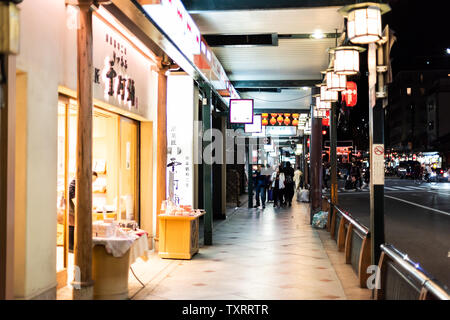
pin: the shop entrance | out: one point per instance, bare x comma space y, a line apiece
115, 175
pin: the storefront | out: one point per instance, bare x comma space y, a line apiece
123, 87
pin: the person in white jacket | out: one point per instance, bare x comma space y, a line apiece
277, 187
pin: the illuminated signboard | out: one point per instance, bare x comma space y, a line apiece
256, 126
281, 131
176, 22
118, 65
241, 111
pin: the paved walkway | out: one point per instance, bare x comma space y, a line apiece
270, 254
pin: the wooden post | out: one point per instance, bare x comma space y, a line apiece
83, 283
161, 148
316, 165
333, 158
364, 262
7, 176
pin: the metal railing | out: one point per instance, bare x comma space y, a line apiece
428, 283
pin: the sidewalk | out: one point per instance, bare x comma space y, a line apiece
256, 255
273, 254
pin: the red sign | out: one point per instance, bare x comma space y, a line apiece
350, 95
326, 120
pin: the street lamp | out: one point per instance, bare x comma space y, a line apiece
364, 21
322, 105
327, 95
346, 60
336, 82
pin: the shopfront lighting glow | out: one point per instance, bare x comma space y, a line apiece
336, 82
364, 21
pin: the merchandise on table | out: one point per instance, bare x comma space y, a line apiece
169, 208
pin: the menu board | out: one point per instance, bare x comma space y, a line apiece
241, 111
256, 126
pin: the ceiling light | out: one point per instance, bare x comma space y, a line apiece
318, 35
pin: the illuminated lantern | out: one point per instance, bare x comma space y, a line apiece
324, 132
280, 119
350, 95
364, 21
346, 60
327, 95
336, 82
307, 143
264, 120
287, 121
273, 121
295, 117
320, 105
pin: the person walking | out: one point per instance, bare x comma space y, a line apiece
260, 181
297, 178
277, 187
288, 184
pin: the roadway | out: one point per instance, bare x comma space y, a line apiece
417, 221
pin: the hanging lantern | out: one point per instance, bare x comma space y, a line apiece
287, 121
346, 60
336, 82
364, 21
280, 119
273, 121
350, 95
322, 105
264, 120
327, 95
295, 117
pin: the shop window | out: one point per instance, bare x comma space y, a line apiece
115, 162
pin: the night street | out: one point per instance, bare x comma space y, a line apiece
417, 221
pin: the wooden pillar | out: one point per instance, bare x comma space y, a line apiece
161, 146
7, 176
83, 284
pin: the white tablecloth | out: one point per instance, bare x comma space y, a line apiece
116, 246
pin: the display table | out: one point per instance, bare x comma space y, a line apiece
178, 236
111, 261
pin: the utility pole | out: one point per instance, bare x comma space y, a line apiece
378, 57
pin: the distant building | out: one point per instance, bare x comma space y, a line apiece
438, 119
408, 117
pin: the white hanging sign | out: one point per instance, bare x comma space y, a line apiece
377, 174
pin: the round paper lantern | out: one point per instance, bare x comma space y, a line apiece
295, 122
287, 121
273, 121
280, 119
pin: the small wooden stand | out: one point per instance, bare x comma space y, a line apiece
178, 237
